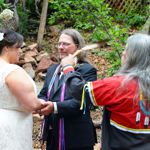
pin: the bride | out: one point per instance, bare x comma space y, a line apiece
17, 96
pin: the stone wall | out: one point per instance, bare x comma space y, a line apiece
35, 62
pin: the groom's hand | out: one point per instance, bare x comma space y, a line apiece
49, 108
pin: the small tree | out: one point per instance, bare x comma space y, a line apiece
42, 22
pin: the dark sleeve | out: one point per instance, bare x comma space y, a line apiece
69, 108
75, 80
89, 73
72, 106
75, 84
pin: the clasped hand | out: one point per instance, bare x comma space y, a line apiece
46, 109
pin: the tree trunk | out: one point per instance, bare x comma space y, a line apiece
42, 22
16, 14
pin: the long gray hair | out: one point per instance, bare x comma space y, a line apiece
79, 41
137, 64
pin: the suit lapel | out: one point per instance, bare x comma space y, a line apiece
55, 86
58, 83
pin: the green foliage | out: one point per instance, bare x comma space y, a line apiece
23, 22
96, 17
118, 39
3, 5
30, 7
30, 4
83, 14
28, 18
115, 66
92, 16
99, 35
134, 17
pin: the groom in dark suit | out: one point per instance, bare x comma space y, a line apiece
66, 127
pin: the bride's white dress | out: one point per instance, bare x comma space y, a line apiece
15, 122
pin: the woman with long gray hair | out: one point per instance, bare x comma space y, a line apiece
126, 96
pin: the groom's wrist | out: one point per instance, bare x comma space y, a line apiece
68, 68
55, 108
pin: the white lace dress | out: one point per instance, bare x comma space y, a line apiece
15, 123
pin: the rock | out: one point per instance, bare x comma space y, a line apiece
42, 54
29, 69
44, 63
31, 47
32, 53
29, 59
55, 30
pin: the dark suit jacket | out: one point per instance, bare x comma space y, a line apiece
79, 129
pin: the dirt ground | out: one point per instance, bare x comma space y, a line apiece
96, 117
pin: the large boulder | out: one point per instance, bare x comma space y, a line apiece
8, 20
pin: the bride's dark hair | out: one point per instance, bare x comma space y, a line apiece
10, 38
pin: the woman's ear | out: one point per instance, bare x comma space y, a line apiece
123, 57
77, 46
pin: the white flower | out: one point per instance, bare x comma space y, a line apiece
1, 36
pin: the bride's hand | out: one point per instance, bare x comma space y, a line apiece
48, 109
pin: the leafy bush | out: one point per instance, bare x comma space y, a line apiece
3, 5
83, 14
134, 17
28, 18
23, 20
92, 16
